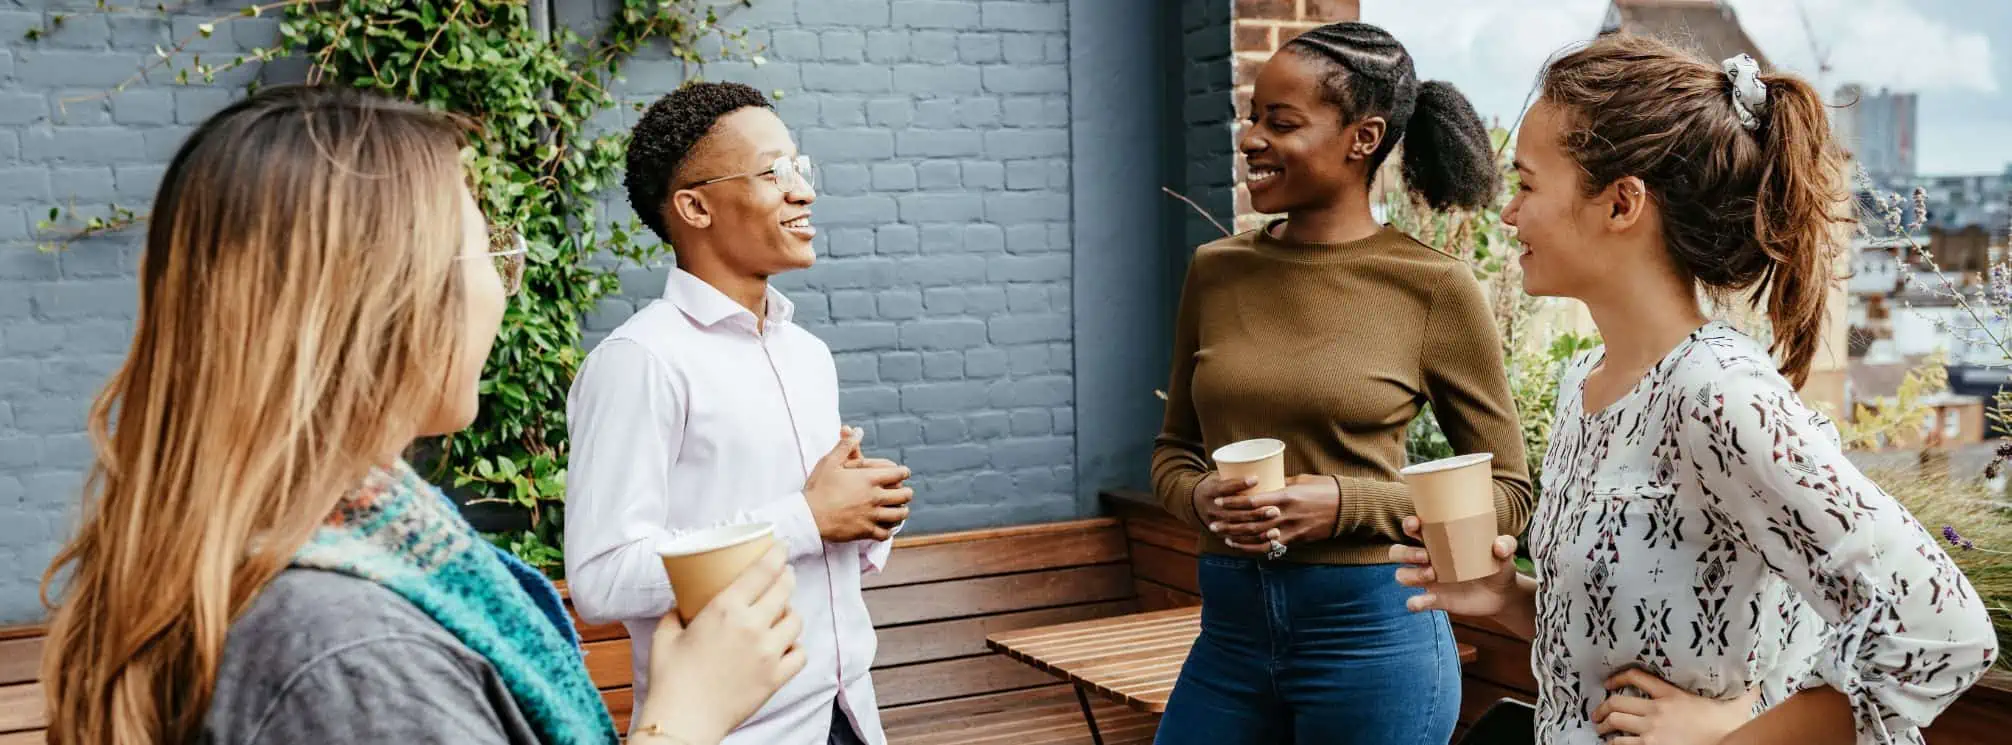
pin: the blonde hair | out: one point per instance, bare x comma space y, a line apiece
297, 292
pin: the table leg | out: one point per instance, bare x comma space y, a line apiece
1083, 698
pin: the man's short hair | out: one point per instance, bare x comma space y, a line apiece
665, 136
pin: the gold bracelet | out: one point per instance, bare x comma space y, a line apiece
656, 729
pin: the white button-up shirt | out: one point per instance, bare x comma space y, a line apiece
690, 416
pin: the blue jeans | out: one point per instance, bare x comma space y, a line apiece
1308, 653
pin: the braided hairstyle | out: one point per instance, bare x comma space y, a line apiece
1449, 160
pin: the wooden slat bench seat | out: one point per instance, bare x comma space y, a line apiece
22, 718
942, 595
932, 609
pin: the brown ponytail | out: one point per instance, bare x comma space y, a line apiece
1744, 211
1802, 185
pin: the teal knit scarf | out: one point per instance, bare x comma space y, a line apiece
400, 532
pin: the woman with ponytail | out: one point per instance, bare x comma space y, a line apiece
1710, 568
256, 563
1329, 332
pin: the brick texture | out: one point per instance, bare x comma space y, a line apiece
65, 319
1208, 114
941, 130
943, 285
1259, 27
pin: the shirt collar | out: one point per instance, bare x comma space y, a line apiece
707, 306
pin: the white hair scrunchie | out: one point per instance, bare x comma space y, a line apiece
1749, 93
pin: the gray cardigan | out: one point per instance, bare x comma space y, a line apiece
325, 657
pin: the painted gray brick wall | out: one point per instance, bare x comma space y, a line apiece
943, 284
944, 287
1208, 109
66, 318
1120, 88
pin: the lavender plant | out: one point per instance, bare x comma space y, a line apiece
1972, 517
1985, 308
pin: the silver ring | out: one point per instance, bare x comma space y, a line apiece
1277, 550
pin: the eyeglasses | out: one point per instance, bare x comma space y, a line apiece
787, 172
510, 253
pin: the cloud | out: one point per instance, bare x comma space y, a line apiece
1973, 145
1493, 49
1878, 43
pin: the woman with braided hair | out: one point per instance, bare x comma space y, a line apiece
1330, 332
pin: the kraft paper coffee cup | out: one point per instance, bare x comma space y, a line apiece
702, 563
1261, 459
1455, 501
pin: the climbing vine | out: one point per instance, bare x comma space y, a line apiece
538, 163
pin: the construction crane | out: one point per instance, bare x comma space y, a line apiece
1817, 49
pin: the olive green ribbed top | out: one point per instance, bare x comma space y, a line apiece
1333, 349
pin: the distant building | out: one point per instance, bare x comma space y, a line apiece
1979, 200
1707, 26
1900, 309
1880, 129
1901, 313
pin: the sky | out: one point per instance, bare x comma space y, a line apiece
1957, 54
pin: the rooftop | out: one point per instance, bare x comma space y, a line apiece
1708, 26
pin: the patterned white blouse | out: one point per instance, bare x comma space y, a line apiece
1707, 527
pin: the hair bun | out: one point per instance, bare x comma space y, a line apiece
1449, 157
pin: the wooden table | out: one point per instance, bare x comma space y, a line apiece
1129, 659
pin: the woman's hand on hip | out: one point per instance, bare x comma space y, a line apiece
1305, 510
1666, 714
1482, 597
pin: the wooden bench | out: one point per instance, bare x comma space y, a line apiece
932, 609
21, 715
942, 595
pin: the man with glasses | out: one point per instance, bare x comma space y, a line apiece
711, 407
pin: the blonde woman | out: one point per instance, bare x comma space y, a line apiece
257, 563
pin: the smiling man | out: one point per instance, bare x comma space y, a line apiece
711, 407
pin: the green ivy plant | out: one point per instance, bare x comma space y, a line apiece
536, 164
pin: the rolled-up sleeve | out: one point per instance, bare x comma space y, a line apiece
626, 414
1908, 633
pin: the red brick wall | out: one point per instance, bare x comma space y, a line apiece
1259, 27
